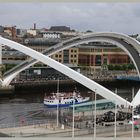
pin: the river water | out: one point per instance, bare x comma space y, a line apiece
26, 104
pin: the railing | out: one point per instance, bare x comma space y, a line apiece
101, 130
26, 123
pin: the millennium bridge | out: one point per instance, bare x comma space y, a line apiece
128, 44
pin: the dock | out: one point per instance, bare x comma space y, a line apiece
5, 90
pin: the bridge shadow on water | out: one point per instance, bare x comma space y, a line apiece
35, 93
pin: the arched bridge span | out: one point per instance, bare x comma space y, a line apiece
128, 44
67, 71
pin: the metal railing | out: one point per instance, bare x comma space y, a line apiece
26, 123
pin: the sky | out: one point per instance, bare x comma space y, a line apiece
98, 17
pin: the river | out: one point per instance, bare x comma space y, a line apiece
26, 104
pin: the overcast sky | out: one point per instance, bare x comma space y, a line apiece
119, 17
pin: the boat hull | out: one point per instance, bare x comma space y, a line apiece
62, 105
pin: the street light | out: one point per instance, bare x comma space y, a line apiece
92, 105
95, 116
73, 115
115, 116
126, 107
132, 113
58, 101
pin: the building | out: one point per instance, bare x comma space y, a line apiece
40, 44
95, 55
59, 28
74, 56
32, 32
1, 29
69, 56
49, 34
59, 56
44, 73
138, 37
89, 57
21, 32
12, 57
11, 31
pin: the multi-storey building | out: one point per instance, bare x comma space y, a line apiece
90, 56
58, 57
96, 56
50, 34
93, 56
69, 56
60, 28
73, 56
1, 29
11, 31
95, 59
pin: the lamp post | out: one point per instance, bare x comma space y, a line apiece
92, 105
115, 116
95, 116
126, 107
73, 115
58, 101
132, 113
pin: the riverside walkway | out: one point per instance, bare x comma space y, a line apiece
50, 130
34, 130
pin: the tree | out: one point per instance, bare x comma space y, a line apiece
131, 66
110, 67
124, 67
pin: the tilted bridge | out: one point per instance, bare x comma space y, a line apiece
128, 44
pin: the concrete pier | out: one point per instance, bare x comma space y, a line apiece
7, 90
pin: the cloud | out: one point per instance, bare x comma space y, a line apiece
119, 17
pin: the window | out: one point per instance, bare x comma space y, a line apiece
98, 60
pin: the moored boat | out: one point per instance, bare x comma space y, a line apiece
64, 99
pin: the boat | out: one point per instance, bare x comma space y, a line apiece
64, 99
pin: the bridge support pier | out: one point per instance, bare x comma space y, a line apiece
6, 90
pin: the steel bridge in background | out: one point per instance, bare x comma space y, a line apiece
128, 44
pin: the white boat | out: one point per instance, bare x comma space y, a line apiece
64, 99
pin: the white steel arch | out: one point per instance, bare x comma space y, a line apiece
102, 36
67, 71
124, 37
